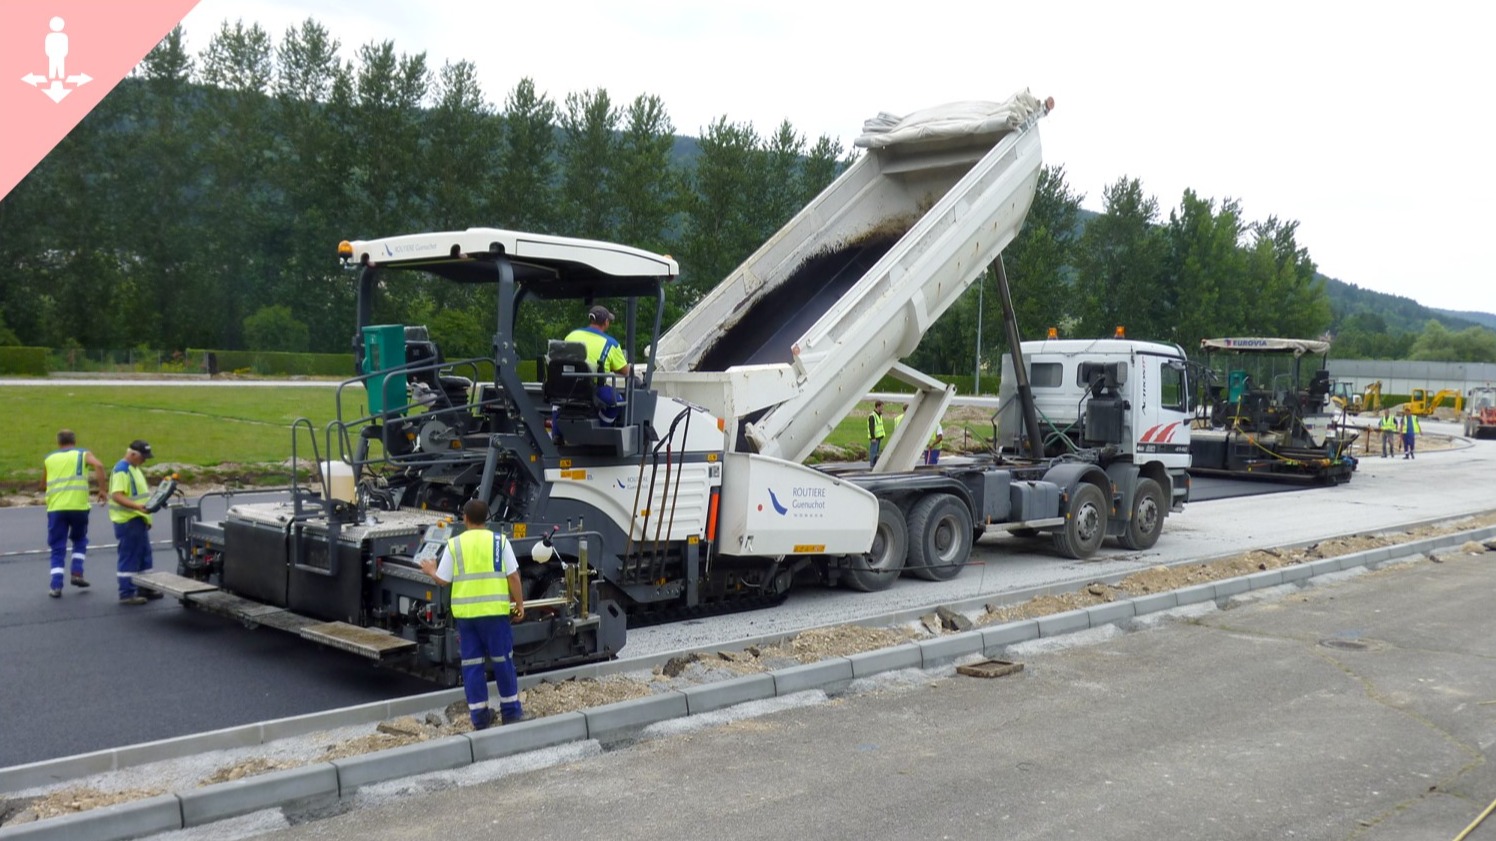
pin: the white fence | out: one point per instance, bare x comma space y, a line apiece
1401, 376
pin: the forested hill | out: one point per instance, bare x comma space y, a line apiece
1398, 313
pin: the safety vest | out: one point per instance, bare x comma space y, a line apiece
599, 346
1389, 424
875, 426
67, 483
479, 585
128, 478
1411, 424
935, 440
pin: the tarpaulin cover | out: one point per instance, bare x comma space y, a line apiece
956, 119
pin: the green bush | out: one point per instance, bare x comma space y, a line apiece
31, 361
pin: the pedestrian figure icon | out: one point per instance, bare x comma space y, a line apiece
58, 83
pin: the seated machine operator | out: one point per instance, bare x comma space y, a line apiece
606, 356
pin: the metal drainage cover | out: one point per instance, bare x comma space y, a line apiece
1347, 644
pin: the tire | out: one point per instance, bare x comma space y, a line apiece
939, 537
1147, 520
1085, 523
885, 560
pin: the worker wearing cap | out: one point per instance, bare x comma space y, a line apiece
66, 484
132, 522
606, 356
480, 566
875, 434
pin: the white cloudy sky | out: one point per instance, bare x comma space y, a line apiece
1368, 122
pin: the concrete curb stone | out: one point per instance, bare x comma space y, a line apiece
107, 823
240, 797
1064, 623
525, 736
442, 754
998, 637
903, 656
727, 693
1195, 594
831, 675
613, 720
1111, 612
1265, 579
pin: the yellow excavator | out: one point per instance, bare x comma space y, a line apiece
1352, 403
1423, 402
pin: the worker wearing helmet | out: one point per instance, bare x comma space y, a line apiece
875, 433
132, 522
66, 484
606, 356
484, 575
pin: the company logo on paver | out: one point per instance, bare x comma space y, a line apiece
1161, 433
58, 84
778, 506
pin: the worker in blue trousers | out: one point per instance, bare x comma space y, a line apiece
128, 493
486, 593
66, 484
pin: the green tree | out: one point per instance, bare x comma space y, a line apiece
527, 169
1438, 343
237, 273
589, 127
778, 189
1206, 273
1120, 267
1039, 262
1289, 296
643, 181
720, 226
310, 171
821, 166
275, 328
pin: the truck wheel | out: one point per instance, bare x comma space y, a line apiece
1147, 519
939, 537
1085, 524
882, 563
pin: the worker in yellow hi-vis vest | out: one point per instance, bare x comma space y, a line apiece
932, 452
128, 493
1410, 427
65, 472
486, 593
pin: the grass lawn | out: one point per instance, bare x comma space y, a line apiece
208, 426
200, 426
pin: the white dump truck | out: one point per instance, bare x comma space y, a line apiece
684, 491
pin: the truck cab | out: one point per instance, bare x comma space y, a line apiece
1125, 400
